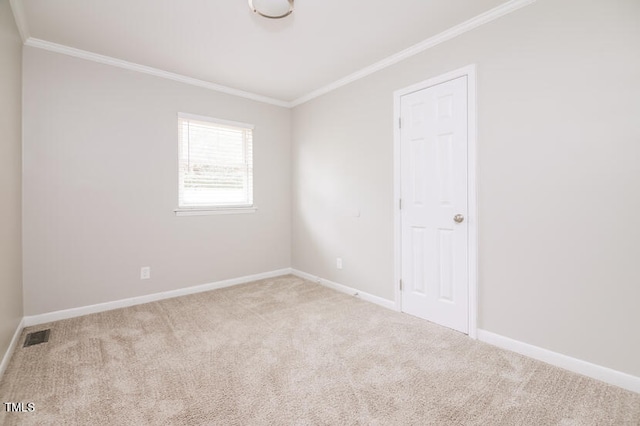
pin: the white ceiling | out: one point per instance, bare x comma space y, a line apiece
224, 42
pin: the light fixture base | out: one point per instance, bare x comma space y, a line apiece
272, 9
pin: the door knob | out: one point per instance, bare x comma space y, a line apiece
458, 218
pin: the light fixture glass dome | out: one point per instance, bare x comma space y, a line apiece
273, 9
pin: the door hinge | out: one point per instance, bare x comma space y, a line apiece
400, 203
400, 285
399, 123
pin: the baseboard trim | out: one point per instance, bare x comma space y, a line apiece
604, 374
12, 346
385, 303
123, 303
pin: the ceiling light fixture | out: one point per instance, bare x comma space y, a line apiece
273, 9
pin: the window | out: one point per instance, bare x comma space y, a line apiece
215, 165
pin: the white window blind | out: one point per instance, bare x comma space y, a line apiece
216, 163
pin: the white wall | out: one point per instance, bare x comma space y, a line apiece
100, 187
558, 176
10, 177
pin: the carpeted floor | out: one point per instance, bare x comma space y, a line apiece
285, 351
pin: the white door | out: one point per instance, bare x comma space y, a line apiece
433, 180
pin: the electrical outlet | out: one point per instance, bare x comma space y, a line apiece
339, 263
145, 272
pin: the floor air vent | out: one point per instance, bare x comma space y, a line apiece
37, 338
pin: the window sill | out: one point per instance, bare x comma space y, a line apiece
212, 210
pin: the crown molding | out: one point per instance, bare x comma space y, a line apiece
483, 18
21, 22
108, 60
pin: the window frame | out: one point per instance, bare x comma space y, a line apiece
213, 209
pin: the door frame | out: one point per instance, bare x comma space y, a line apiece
472, 214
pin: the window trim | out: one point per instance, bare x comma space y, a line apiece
206, 211
214, 210
216, 120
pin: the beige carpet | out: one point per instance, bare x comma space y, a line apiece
288, 352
